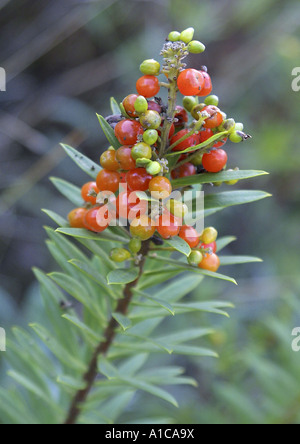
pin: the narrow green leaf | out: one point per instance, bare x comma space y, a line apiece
201, 145
84, 328
156, 301
230, 198
233, 260
59, 220
30, 386
222, 242
70, 382
217, 177
185, 335
70, 191
180, 245
191, 350
86, 164
85, 234
132, 365
122, 276
109, 132
115, 109
107, 369
122, 320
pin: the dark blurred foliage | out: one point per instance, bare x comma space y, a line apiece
65, 59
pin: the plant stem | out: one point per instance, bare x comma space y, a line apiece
104, 346
173, 74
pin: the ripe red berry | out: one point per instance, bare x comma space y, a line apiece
192, 140
148, 86
142, 228
220, 143
190, 235
190, 82
138, 179
127, 131
76, 217
206, 134
160, 187
212, 245
129, 206
108, 181
185, 170
214, 161
109, 161
123, 156
90, 221
128, 104
210, 262
207, 88
87, 189
216, 117
181, 116
168, 225
154, 106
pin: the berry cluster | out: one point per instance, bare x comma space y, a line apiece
160, 142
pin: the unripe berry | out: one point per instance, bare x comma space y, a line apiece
150, 67
232, 182
195, 258
227, 125
141, 151
196, 47
212, 100
197, 110
197, 160
174, 36
119, 255
153, 168
236, 137
189, 102
150, 120
150, 136
187, 35
177, 208
142, 162
135, 245
141, 105
209, 235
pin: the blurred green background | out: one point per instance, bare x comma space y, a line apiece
64, 59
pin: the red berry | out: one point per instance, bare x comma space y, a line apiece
190, 82
168, 225
138, 179
215, 161
160, 187
210, 262
148, 86
181, 116
128, 104
142, 227
76, 217
213, 246
207, 89
127, 131
206, 134
192, 140
220, 143
123, 155
185, 170
90, 221
190, 235
154, 106
216, 117
129, 206
108, 181
90, 187
109, 161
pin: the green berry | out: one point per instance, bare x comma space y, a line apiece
174, 36
195, 258
153, 168
120, 255
187, 35
177, 208
150, 119
236, 137
189, 102
197, 110
209, 235
142, 162
234, 181
150, 67
212, 100
141, 151
196, 47
227, 125
197, 160
135, 245
141, 105
150, 136
218, 184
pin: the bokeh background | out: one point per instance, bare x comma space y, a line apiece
64, 59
